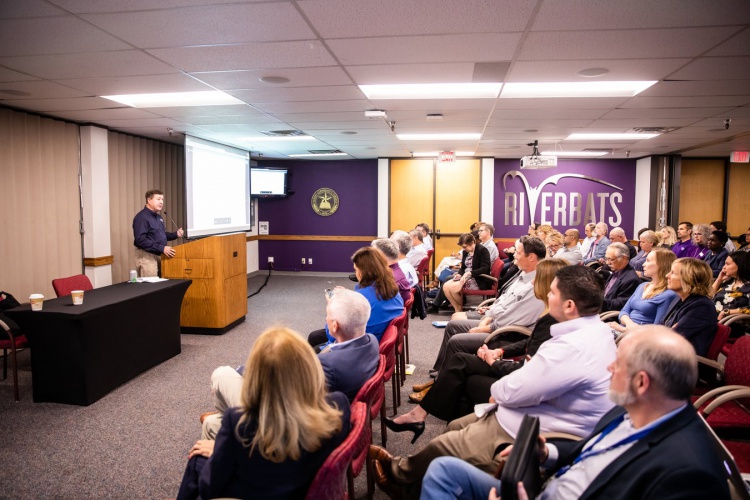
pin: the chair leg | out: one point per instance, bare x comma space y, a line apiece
350, 481
370, 481
396, 394
5, 364
406, 346
15, 373
383, 433
403, 367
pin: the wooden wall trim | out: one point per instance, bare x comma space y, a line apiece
98, 261
309, 237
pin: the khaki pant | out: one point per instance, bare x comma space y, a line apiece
478, 441
147, 264
226, 387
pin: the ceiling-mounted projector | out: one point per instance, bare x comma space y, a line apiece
535, 160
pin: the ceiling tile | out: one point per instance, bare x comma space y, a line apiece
687, 102
223, 110
334, 93
298, 77
40, 89
697, 88
460, 72
146, 84
619, 70
88, 6
97, 115
313, 106
216, 24
738, 45
50, 105
638, 112
29, 8
715, 68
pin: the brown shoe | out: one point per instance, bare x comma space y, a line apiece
379, 454
417, 397
381, 468
422, 387
207, 414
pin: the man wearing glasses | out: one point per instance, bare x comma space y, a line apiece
623, 281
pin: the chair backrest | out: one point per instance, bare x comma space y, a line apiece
330, 481
423, 269
720, 338
63, 286
388, 349
737, 365
500, 252
373, 391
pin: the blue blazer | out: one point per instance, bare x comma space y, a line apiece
622, 290
349, 366
696, 320
677, 459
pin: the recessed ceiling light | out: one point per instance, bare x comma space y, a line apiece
434, 154
574, 89
276, 80
432, 91
593, 72
439, 137
174, 99
530, 130
349, 132
434, 117
574, 153
609, 137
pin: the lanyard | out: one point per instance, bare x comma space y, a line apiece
590, 452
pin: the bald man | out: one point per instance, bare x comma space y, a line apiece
652, 446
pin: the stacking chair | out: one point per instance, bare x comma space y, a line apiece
11, 341
423, 270
372, 393
63, 286
388, 350
399, 322
497, 268
337, 471
407, 308
729, 320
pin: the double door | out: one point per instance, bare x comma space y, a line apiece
444, 195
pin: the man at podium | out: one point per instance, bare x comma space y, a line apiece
151, 236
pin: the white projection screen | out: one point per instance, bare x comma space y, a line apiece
217, 188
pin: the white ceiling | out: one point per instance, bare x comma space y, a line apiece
58, 56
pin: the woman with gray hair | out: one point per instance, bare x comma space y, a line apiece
648, 240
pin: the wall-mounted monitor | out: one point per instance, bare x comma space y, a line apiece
268, 182
217, 188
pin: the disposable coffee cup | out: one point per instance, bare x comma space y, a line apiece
37, 301
77, 297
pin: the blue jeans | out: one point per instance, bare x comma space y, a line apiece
450, 477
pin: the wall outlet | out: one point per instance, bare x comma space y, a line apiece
309, 261
270, 260
303, 261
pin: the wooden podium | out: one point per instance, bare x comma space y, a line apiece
217, 299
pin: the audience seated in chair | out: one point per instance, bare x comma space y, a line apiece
451, 396
622, 282
651, 300
565, 385
273, 444
570, 250
418, 250
389, 249
668, 453
717, 253
731, 289
516, 305
403, 242
347, 363
475, 263
685, 246
598, 246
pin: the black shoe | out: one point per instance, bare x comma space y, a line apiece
432, 309
416, 427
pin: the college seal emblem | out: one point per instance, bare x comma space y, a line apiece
325, 202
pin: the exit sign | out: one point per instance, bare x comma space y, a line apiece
740, 157
447, 156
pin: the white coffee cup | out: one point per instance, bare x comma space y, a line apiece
77, 297
37, 301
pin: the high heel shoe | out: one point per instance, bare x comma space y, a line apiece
416, 427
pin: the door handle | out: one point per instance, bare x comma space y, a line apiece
437, 234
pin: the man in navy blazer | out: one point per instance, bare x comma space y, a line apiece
623, 281
354, 357
653, 445
347, 363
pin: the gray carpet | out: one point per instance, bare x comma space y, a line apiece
133, 443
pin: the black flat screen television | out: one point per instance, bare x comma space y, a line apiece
268, 182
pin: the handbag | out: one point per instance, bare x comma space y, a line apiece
523, 462
7, 301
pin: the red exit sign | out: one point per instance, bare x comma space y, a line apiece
740, 157
447, 156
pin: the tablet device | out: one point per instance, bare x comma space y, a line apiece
523, 462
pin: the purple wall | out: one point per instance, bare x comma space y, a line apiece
563, 201
356, 183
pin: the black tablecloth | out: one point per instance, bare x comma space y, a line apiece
80, 353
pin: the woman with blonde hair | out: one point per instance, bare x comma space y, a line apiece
668, 237
692, 313
553, 243
466, 378
273, 444
650, 301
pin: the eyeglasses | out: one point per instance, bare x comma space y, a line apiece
608, 259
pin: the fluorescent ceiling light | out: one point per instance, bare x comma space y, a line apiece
435, 154
277, 138
439, 137
318, 154
172, 99
574, 89
574, 153
432, 91
609, 137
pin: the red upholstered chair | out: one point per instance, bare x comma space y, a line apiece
372, 393
423, 269
727, 408
334, 473
10, 341
388, 349
63, 286
729, 320
497, 268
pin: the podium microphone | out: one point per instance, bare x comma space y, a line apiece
173, 222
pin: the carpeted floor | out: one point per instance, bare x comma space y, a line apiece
133, 442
